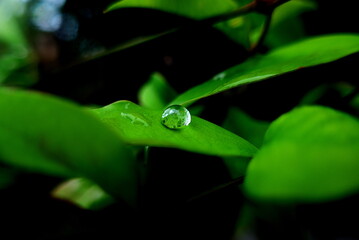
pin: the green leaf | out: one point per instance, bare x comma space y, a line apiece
156, 93
306, 53
242, 124
140, 126
286, 25
250, 129
309, 155
14, 52
197, 9
83, 193
45, 134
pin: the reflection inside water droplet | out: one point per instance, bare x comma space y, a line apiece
176, 116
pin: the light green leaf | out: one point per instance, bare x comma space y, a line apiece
14, 52
45, 134
197, 9
306, 53
310, 154
140, 126
83, 193
156, 93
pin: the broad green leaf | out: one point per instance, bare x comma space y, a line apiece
156, 93
83, 193
45, 134
197, 9
140, 126
310, 154
306, 53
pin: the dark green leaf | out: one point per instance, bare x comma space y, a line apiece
197, 9
310, 52
250, 129
140, 126
41, 133
310, 154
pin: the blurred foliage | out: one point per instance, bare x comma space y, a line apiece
196, 9
310, 154
76, 151
69, 143
15, 54
156, 93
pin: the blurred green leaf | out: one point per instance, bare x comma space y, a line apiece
250, 129
310, 154
286, 25
45, 134
197, 9
306, 53
83, 193
242, 124
14, 50
140, 126
10, 30
156, 93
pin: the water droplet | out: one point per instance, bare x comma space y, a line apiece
176, 116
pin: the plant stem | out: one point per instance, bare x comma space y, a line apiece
221, 187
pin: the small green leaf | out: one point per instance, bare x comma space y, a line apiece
197, 9
45, 134
140, 126
83, 193
310, 52
310, 154
156, 93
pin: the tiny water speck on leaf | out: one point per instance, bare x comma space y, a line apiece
175, 117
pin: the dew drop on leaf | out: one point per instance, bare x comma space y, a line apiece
176, 116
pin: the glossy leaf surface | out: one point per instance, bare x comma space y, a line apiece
140, 126
306, 53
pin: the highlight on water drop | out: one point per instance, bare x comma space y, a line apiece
176, 117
